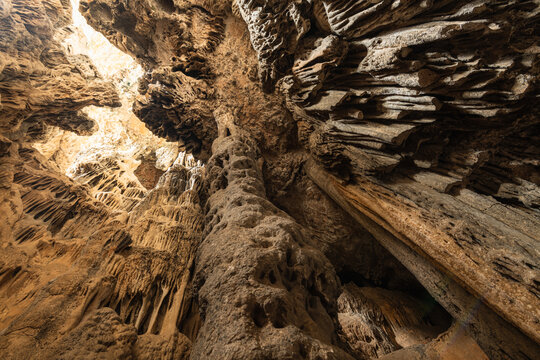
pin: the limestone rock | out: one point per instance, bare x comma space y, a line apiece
378, 321
311, 179
454, 344
413, 103
257, 275
101, 336
41, 84
175, 94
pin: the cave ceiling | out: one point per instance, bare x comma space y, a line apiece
265, 179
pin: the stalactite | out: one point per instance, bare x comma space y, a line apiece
266, 179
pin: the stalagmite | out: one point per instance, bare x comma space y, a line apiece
308, 179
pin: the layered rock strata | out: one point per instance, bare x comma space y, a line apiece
369, 188
415, 105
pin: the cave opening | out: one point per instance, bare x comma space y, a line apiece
121, 140
368, 183
431, 319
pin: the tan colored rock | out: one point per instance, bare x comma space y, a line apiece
40, 82
263, 290
370, 185
454, 344
378, 321
411, 102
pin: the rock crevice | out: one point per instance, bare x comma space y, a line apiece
342, 180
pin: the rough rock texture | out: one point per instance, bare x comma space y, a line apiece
70, 255
370, 186
175, 95
196, 61
263, 290
378, 321
41, 84
453, 344
418, 106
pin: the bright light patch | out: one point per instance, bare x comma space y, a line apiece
111, 62
120, 131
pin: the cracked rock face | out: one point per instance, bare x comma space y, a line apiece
41, 84
263, 179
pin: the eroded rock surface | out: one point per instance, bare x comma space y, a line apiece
41, 84
416, 105
369, 184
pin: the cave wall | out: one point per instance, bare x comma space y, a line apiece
365, 163
413, 107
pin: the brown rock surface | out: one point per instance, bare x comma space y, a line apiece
311, 179
41, 83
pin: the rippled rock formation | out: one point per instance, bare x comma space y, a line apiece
365, 181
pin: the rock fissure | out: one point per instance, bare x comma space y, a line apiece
313, 179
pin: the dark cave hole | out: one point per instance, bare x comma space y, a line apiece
167, 5
272, 277
258, 315
193, 73
433, 314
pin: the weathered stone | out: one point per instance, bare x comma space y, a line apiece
369, 184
